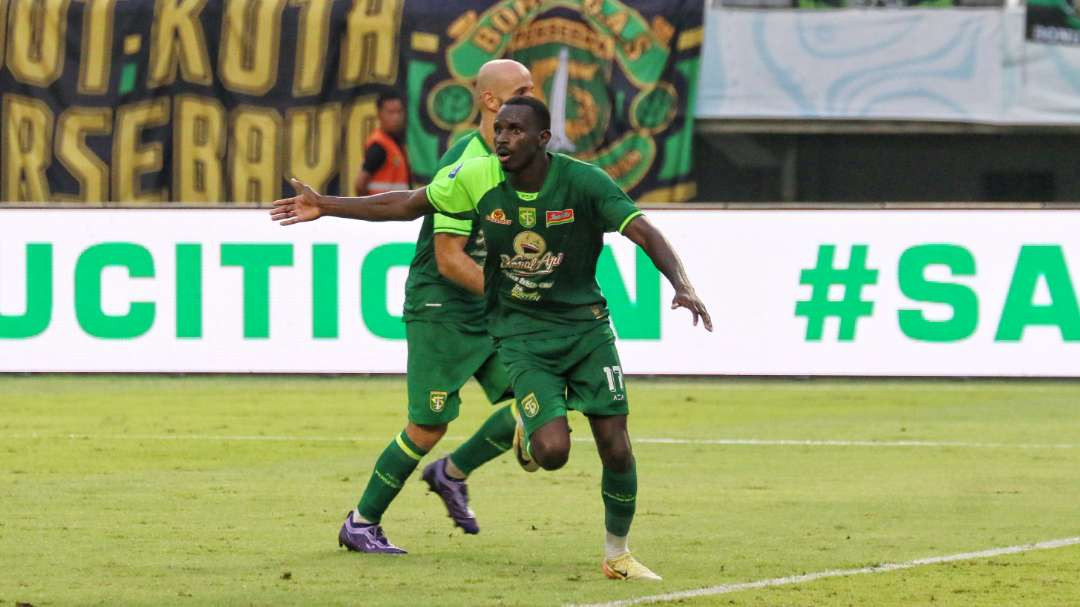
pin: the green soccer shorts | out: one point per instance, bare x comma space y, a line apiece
554, 374
442, 357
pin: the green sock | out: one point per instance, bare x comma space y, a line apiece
493, 439
397, 462
619, 490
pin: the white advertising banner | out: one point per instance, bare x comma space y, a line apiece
955, 65
909, 293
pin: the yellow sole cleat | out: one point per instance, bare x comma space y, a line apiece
521, 452
626, 567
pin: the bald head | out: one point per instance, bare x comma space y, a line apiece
499, 80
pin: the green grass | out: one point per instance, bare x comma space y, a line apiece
114, 491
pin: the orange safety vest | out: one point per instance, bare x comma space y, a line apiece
394, 173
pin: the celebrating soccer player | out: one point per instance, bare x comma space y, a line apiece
544, 216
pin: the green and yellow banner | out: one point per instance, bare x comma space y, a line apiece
619, 77
218, 102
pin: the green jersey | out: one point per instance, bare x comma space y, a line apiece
429, 295
540, 274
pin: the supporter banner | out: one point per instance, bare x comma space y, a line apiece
144, 102
937, 293
970, 65
619, 77
1053, 22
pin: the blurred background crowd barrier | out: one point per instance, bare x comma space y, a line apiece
167, 103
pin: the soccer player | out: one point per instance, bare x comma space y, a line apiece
447, 343
544, 217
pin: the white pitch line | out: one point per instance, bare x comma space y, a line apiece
843, 443
205, 437
752, 442
810, 577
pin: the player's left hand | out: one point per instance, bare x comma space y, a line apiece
688, 299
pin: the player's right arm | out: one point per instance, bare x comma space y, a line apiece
455, 194
309, 205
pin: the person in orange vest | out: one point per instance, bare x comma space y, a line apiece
386, 166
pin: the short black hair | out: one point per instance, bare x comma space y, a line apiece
388, 95
538, 108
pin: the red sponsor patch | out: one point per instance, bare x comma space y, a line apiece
555, 218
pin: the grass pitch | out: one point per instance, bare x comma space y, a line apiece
230, 491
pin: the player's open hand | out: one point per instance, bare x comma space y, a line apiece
302, 207
688, 299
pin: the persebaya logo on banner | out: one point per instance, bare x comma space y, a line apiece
618, 81
1053, 21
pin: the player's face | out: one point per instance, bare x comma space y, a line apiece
392, 116
518, 137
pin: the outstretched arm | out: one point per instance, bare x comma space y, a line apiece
309, 205
646, 236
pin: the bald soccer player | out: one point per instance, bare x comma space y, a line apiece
448, 343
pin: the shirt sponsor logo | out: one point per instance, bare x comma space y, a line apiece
437, 400
532, 257
531, 263
499, 216
557, 218
527, 217
520, 292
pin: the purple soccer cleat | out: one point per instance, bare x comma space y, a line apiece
359, 537
454, 494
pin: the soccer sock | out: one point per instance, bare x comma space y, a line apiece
453, 471
493, 439
619, 490
615, 545
397, 462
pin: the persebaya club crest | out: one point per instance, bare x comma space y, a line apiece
527, 217
573, 49
530, 406
437, 400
